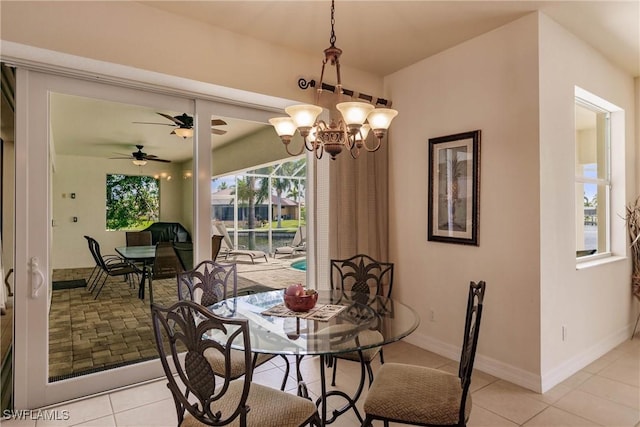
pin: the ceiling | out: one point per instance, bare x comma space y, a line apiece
96, 128
385, 36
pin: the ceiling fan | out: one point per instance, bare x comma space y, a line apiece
141, 158
184, 125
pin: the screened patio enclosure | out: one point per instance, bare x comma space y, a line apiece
263, 207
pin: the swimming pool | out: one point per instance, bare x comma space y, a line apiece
300, 265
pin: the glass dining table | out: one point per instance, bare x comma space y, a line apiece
332, 327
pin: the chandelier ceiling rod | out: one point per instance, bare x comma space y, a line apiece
306, 84
348, 132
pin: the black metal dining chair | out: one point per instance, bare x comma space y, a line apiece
367, 277
424, 396
204, 396
208, 283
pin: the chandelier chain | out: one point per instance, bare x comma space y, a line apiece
332, 39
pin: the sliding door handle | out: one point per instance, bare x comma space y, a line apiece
37, 278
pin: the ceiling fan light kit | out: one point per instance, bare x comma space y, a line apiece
183, 125
184, 132
140, 158
349, 132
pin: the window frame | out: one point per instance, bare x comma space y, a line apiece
592, 103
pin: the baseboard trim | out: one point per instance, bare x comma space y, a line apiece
556, 375
483, 363
518, 376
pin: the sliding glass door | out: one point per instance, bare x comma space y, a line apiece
73, 138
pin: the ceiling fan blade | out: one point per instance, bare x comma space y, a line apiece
152, 123
218, 122
157, 160
218, 131
123, 158
173, 119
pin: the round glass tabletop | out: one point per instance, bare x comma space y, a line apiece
340, 322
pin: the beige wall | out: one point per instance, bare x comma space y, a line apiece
489, 83
593, 304
87, 178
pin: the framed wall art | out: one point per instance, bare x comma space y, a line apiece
454, 188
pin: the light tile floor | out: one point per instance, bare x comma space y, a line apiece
605, 393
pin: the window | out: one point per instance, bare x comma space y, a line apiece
133, 202
593, 178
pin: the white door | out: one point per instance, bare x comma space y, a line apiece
35, 256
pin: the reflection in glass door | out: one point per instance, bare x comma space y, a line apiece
119, 168
80, 135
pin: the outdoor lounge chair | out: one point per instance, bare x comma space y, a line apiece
298, 245
227, 249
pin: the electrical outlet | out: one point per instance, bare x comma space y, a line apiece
432, 315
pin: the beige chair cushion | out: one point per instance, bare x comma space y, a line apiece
416, 394
216, 360
269, 407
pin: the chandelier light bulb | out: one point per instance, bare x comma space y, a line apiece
139, 162
284, 126
304, 115
380, 118
354, 113
364, 131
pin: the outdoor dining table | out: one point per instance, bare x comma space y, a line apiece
332, 327
144, 254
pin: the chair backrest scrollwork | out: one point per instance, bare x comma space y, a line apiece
189, 327
208, 283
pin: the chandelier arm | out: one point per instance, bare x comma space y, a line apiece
371, 150
286, 146
319, 150
355, 152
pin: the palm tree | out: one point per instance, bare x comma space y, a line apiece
247, 191
280, 185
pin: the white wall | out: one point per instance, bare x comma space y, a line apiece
86, 177
594, 304
516, 84
488, 83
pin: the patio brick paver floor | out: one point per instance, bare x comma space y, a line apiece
87, 334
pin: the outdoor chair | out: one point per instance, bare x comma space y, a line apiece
298, 244
138, 238
369, 278
227, 249
207, 284
166, 263
204, 396
109, 267
424, 396
97, 270
216, 244
184, 252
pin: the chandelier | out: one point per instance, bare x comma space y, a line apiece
349, 132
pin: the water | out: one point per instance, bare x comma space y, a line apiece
262, 240
300, 265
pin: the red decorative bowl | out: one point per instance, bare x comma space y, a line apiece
301, 303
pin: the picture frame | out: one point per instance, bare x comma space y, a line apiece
454, 188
